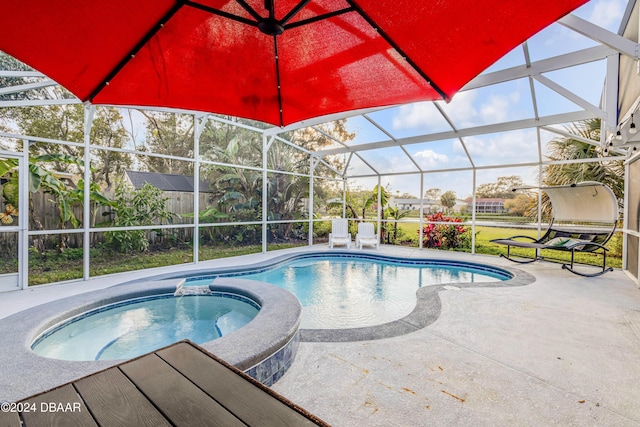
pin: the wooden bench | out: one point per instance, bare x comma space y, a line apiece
181, 385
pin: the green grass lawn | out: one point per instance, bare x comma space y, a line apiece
54, 267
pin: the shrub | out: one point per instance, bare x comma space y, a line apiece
145, 206
321, 229
615, 245
444, 236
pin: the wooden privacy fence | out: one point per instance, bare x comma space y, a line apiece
45, 215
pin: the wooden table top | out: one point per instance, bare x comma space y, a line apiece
179, 385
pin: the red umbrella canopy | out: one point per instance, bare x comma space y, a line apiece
277, 61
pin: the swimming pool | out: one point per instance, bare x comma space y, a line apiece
265, 348
348, 291
137, 326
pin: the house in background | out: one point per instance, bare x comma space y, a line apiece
414, 204
429, 205
489, 206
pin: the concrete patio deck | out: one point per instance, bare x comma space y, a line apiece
564, 350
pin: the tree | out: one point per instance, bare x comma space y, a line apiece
286, 192
355, 202
524, 204
609, 173
360, 200
66, 123
241, 187
237, 193
501, 189
321, 136
144, 206
226, 143
396, 215
41, 179
170, 134
432, 194
404, 195
448, 199
108, 130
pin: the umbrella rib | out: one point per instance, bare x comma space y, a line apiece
221, 13
152, 32
393, 44
319, 18
271, 7
294, 11
275, 48
249, 9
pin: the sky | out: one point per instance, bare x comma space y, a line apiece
490, 105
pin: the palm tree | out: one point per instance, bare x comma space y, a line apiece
396, 215
610, 173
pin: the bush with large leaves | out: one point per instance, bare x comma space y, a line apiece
144, 206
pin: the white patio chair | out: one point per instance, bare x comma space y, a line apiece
367, 236
339, 233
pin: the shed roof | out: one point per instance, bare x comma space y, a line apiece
166, 181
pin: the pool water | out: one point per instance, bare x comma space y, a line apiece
134, 327
347, 292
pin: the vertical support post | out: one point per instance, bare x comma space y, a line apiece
199, 124
539, 203
312, 168
537, 255
89, 113
265, 208
421, 219
344, 186
540, 186
611, 92
380, 212
625, 218
23, 218
344, 198
473, 215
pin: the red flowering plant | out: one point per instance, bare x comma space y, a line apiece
445, 236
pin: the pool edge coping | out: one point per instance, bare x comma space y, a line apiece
426, 311
25, 372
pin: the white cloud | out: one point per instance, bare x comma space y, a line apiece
465, 111
429, 159
415, 115
462, 109
507, 147
607, 13
496, 109
421, 115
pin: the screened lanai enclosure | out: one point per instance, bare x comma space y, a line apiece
92, 185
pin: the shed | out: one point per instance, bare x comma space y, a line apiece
165, 181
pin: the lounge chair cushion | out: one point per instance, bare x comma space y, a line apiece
565, 242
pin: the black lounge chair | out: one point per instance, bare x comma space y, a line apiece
587, 202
